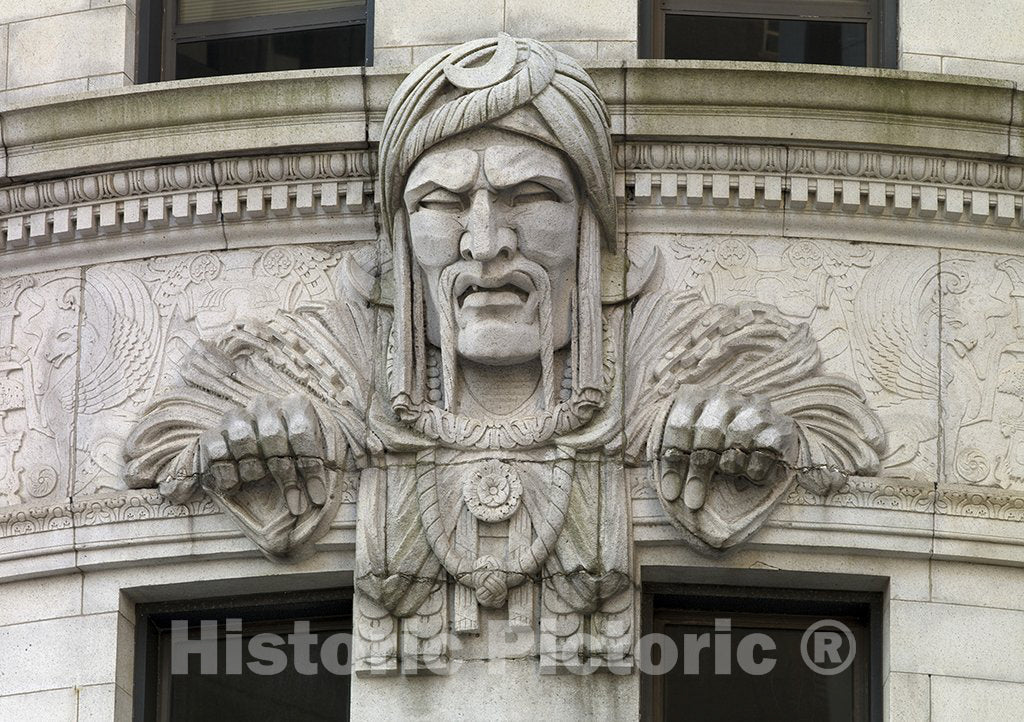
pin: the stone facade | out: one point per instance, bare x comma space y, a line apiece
230, 362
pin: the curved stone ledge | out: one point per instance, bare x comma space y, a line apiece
870, 516
165, 122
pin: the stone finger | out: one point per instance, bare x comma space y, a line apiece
746, 425
221, 477
240, 432
703, 463
733, 462
778, 437
672, 475
303, 427
718, 413
213, 447
314, 474
252, 469
271, 431
760, 465
282, 468
681, 419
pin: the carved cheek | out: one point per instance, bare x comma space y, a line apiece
435, 238
548, 233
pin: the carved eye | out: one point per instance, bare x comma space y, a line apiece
531, 192
442, 200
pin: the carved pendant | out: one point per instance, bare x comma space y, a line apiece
493, 491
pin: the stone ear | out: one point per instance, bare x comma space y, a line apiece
371, 276
627, 274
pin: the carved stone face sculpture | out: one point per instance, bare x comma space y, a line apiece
494, 225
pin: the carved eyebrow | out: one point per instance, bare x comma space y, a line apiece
424, 180
557, 185
544, 172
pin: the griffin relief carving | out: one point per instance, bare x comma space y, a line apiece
488, 373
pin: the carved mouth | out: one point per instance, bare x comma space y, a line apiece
512, 289
502, 295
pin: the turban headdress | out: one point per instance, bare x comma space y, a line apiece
514, 84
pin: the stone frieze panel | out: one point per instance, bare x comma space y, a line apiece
983, 369
39, 321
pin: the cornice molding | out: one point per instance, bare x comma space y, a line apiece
187, 207
846, 194
125, 506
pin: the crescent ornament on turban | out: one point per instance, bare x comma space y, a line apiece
498, 68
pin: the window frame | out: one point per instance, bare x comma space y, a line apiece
820, 598
159, 33
880, 17
266, 612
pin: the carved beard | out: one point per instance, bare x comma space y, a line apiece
446, 303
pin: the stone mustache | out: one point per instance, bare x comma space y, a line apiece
490, 376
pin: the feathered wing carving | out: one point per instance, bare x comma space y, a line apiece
675, 339
120, 342
891, 308
320, 351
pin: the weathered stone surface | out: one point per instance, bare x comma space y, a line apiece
55, 704
59, 653
952, 28
909, 697
954, 640
508, 690
60, 47
955, 699
39, 322
767, 236
36, 599
562, 20
982, 360
318, 108
873, 310
433, 21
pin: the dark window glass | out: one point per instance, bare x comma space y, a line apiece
791, 691
285, 695
700, 37
297, 50
709, 683
181, 39
268, 657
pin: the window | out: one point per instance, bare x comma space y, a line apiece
181, 39
830, 32
244, 658
740, 654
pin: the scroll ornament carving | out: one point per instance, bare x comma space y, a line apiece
486, 373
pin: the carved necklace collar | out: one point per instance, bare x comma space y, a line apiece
470, 432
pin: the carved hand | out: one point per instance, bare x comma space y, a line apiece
718, 431
282, 440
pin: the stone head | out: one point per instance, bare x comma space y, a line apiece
495, 163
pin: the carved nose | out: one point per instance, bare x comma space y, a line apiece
486, 236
